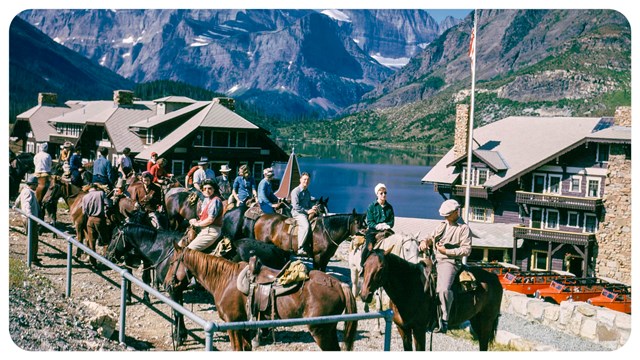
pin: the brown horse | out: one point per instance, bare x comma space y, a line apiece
414, 301
329, 232
320, 295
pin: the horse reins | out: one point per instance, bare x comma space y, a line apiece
326, 233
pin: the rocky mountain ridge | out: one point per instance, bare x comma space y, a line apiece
292, 63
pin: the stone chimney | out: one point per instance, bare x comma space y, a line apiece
227, 102
622, 116
461, 135
122, 97
47, 99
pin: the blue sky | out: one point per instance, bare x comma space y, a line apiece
440, 14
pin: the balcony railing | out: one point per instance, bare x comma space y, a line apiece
558, 201
565, 237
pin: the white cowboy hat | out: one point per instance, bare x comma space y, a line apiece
225, 168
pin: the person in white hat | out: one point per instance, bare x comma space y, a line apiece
224, 182
203, 173
28, 203
451, 242
380, 217
267, 200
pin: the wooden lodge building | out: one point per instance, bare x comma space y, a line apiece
177, 128
557, 188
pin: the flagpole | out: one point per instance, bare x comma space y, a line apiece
472, 54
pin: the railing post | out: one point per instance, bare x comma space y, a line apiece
387, 329
208, 340
123, 306
30, 228
69, 267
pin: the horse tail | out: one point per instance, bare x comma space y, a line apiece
350, 327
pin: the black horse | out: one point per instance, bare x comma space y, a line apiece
154, 248
19, 166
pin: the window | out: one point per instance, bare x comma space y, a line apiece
241, 139
149, 136
258, 166
555, 182
539, 181
536, 218
177, 167
105, 135
31, 147
593, 187
553, 219
220, 138
590, 223
572, 219
483, 175
602, 154
481, 215
576, 184
539, 260
199, 139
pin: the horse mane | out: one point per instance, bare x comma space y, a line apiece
213, 270
139, 231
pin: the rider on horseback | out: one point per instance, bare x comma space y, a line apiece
266, 198
451, 242
210, 218
380, 218
244, 187
102, 168
301, 210
149, 197
42, 161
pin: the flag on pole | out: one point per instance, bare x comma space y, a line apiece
472, 48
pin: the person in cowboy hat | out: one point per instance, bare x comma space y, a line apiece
65, 153
451, 242
203, 173
42, 161
224, 182
268, 201
28, 203
380, 217
148, 197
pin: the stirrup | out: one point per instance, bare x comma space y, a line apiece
442, 328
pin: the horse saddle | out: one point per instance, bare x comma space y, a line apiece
193, 198
291, 227
466, 281
253, 212
263, 284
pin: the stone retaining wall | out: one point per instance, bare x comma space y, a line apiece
603, 326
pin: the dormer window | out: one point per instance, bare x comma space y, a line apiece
479, 176
602, 153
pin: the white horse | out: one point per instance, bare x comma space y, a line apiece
403, 245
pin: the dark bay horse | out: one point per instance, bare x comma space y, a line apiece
320, 295
414, 300
181, 206
330, 231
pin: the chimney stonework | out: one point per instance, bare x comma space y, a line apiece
614, 232
461, 135
47, 98
122, 97
227, 102
622, 116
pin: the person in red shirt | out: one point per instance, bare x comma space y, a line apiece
152, 161
158, 171
188, 180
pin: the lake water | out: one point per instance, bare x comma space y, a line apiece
348, 174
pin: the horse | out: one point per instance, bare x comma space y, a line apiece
319, 295
155, 248
414, 300
329, 232
19, 166
72, 195
406, 246
181, 206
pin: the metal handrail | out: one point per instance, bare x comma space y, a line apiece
208, 326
